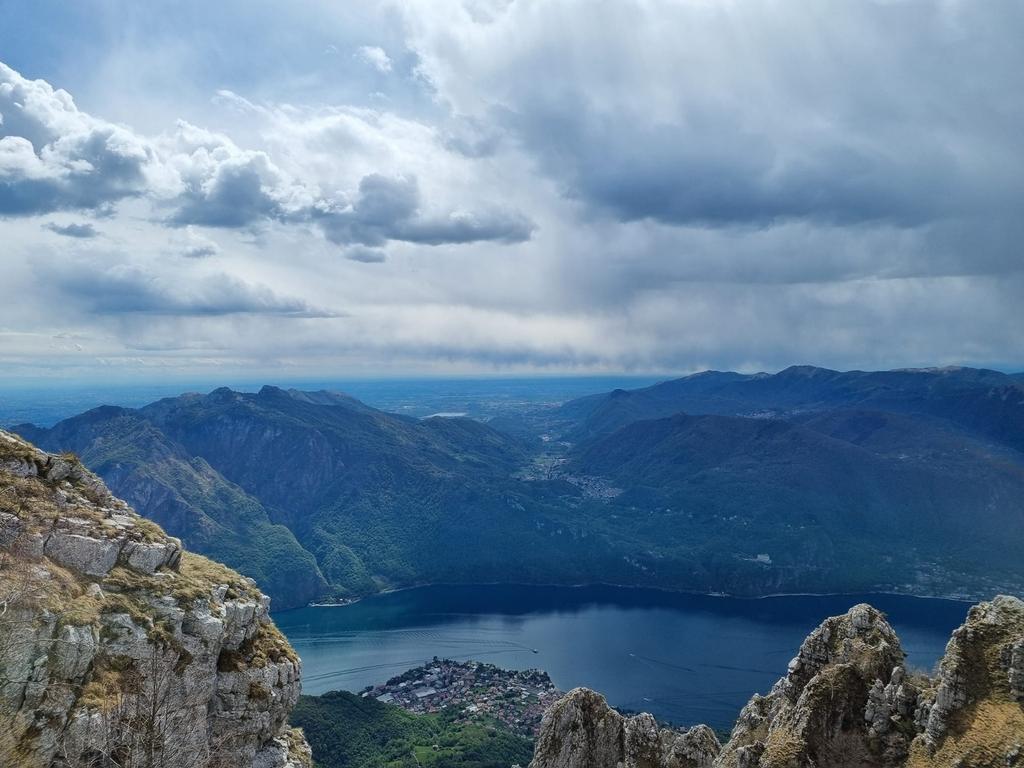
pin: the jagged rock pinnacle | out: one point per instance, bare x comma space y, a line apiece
846, 701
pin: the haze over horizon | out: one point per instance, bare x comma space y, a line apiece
228, 192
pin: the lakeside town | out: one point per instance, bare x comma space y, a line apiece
516, 698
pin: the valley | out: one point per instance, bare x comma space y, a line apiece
803, 481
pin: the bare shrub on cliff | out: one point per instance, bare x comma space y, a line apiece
148, 719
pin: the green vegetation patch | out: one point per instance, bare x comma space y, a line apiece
348, 731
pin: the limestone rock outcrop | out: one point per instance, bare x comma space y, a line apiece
117, 648
846, 701
973, 712
839, 701
581, 731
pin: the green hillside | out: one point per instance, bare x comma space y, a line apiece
347, 731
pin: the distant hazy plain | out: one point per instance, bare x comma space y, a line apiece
46, 403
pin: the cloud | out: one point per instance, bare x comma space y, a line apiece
200, 250
222, 185
384, 200
84, 231
128, 289
375, 57
388, 208
467, 227
687, 184
365, 255
473, 137
193, 245
54, 157
746, 114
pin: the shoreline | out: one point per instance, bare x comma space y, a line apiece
662, 590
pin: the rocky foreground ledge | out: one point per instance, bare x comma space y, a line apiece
847, 701
119, 648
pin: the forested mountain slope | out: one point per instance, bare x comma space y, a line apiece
986, 404
269, 481
909, 481
184, 494
846, 488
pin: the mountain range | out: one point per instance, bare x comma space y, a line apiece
805, 480
982, 402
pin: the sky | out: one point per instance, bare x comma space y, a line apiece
282, 190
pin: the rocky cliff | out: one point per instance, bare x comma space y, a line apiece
846, 701
117, 648
582, 731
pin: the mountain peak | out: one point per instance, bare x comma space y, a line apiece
806, 371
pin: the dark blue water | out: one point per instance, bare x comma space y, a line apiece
685, 658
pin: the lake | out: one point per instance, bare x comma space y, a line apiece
684, 658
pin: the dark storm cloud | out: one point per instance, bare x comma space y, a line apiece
388, 208
83, 231
712, 172
729, 179
746, 115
